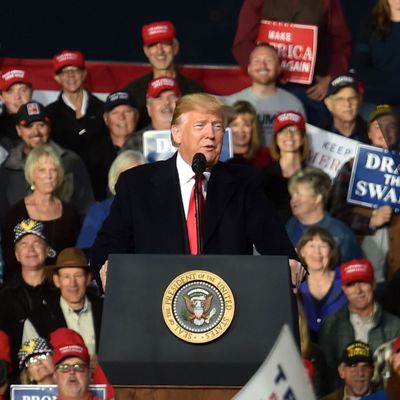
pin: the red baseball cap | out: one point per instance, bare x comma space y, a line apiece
288, 118
68, 343
8, 78
159, 85
161, 31
66, 58
356, 270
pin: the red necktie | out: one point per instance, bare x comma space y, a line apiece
191, 217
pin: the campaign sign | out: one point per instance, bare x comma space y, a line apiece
329, 151
157, 145
375, 179
48, 392
296, 45
282, 374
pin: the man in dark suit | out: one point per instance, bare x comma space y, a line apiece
152, 203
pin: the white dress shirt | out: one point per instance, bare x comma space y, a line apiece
186, 181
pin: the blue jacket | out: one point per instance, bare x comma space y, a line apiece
349, 247
335, 300
92, 223
381, 395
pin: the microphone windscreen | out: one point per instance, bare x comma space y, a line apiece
199, 163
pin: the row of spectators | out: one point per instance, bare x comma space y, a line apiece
58, 160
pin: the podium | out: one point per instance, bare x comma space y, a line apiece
139, 350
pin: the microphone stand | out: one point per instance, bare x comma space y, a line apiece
197, 194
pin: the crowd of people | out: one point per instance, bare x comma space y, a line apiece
60, 164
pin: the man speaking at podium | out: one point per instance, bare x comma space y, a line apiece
154, 208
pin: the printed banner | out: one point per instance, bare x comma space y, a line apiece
48, 392
375, 179
157, 145
281, 376
296, 45
329, 151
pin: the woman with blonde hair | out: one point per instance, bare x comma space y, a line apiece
35, 362
98, 212
44, 173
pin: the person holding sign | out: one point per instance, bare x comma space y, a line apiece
264, 94
334, 42
161, 96
378, 228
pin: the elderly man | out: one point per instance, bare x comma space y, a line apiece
161, 97
120, 116
76, 307
265, 95
160, 46
343, 101
153, 210
15, 90
362, 319
355, 369
33, 127
31, 291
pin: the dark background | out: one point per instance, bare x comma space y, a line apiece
111, 30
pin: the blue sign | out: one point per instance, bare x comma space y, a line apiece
48, 392
375, 179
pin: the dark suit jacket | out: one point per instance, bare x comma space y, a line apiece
147, 215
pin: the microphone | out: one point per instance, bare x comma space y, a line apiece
199, 163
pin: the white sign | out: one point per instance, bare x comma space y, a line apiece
48, 392
329, 151
281, 376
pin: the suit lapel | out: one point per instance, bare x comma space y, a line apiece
168, 205
220, 189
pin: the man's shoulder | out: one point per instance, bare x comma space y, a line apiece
188, 85
340, 315
147, 171
55, 105
337, 395
283, 94
244, 94
139, 83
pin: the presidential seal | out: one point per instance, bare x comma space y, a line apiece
198, 306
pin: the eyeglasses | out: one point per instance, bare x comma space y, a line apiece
76, 367
36, 359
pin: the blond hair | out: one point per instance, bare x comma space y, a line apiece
35, 157
124, 160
